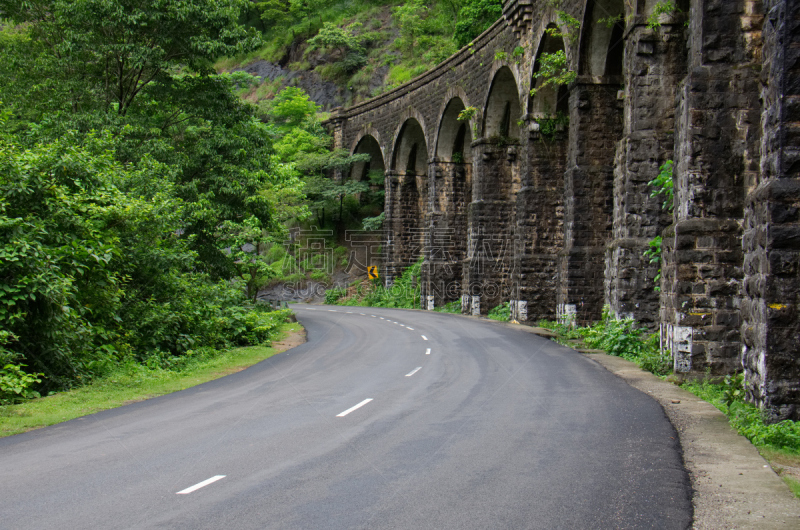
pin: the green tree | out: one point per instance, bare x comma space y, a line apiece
118, 47
410, 17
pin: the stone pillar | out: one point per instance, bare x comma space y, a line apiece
655, 65
539, 221
449, 189
391, 227
490, 223
595, 125
716, 154
771, 297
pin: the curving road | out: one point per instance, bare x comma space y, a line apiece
468, 425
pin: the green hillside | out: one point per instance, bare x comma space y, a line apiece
362, 47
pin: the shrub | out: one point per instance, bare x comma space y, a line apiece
450, 307
501, 312
333, 295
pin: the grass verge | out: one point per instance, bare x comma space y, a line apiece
778, 443
132, 384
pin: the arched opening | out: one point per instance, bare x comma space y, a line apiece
409, 171
547, 100
455, 137
502, 107
371, 203
603, 45
361, 170
410, 152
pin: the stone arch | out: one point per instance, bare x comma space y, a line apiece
454, 136
602, 43
502, 110
367, 144
368, 131
410, 153
548, 100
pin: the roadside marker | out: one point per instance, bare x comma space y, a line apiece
351, 409
200, 485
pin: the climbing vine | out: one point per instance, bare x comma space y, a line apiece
662, 7
549, 126
554, 66
663, 185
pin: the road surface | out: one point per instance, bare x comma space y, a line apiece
383, 419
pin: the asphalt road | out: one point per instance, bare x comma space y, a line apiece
470, 425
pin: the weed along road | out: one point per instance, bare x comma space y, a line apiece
383, 419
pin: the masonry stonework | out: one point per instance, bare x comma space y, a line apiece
542, 198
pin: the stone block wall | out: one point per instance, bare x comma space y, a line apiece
654, 66
771, 241
716, 155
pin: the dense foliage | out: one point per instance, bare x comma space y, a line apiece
366, 46
403, 293
131, 175
619, 337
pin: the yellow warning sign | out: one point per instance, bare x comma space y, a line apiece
372, 270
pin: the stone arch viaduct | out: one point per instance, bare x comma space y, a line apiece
543, 201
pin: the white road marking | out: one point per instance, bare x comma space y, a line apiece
424, 337
383, 318
428, 351
362, 314
351, 409
349, 312
331, 310
415, 370
373, 316
412, 329
200, 485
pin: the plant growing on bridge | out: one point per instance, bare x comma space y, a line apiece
548, 127
663, 7
553, 67
554, 71
663, 185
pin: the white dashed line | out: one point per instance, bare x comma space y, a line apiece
349, 312
351, 409
200, 485
331, 310
415, 370
412, 329
373, 316
428, 351
362, 314
424, 337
